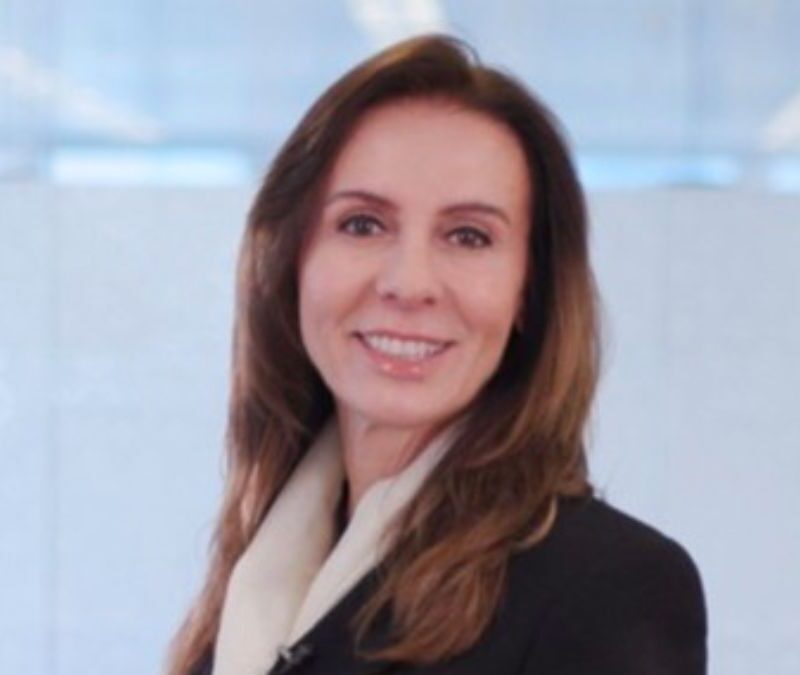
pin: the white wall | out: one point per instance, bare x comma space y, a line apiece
115, 311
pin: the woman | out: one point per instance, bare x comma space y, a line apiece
415, 356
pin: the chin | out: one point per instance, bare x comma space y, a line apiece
397, 416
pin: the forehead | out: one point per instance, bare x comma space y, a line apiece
434, 149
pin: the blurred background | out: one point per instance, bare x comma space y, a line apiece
132, 138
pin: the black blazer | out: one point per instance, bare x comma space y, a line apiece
602, 594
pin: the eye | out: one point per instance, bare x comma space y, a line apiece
358, 225
472, 237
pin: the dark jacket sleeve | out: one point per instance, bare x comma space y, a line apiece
642, 615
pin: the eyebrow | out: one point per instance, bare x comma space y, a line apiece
388, 204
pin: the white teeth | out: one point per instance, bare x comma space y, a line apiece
406, 349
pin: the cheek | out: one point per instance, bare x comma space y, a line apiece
491, 300
327, 289
311, 299
315, 304
490, 313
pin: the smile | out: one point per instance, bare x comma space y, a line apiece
403, 359
412, 350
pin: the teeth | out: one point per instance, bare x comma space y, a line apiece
405, 349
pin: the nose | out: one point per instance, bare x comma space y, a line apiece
408, 274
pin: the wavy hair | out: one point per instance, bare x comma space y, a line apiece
521, 444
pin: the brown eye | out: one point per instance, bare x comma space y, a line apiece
358, 225
472, 238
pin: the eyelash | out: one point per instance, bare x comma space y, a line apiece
484, 238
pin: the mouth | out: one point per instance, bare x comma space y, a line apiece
401, 347
404, 359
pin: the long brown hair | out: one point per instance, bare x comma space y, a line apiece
521, 443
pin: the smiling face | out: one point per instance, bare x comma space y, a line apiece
422, 233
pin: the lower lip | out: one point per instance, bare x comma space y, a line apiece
402, 368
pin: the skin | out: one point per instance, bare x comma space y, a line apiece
397, 256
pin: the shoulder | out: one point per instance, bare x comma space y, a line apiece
591, 537
611, 591
592, 525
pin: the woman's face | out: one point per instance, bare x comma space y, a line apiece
412, 275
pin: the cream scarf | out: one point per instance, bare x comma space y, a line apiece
291, 574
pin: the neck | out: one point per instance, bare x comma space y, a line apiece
372, 452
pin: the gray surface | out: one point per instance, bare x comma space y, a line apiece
115, 309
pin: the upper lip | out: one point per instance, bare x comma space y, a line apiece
404, 336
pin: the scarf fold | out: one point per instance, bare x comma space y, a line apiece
294, 571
